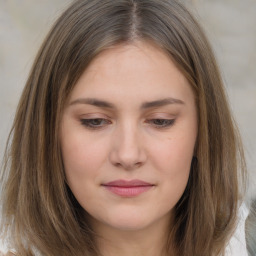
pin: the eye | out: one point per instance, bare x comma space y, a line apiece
161, 123
95, 123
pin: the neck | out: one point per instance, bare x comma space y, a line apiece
150, 241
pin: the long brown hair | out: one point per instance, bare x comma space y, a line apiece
39, 212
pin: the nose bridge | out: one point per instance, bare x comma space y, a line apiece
128, 138
127, 149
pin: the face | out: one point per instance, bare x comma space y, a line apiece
127, 137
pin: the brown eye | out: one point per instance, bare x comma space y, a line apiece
94, 123
161, 123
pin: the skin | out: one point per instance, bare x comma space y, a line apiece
129, 142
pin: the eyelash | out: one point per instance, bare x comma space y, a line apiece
88, 123
165, 123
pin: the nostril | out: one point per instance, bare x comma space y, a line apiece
128, 166
127, 154
138, 164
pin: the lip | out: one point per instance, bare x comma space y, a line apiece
128, 188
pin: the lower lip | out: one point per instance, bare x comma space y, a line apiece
128, 191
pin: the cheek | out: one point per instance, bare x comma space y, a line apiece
81, 156
173, 160
82, 163
176, 168
174, 155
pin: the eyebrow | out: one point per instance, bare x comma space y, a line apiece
145, 105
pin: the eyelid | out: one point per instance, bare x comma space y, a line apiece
167, 122
94, 116
87, 122
161, 115
158, 120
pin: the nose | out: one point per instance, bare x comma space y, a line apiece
127, 150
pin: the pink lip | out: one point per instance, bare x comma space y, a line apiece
130, 188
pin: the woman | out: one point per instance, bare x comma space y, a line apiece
123, 142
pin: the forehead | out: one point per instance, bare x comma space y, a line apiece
130, 71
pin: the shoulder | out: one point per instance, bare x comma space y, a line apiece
237, 244
251, 229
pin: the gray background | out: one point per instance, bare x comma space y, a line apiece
230, 25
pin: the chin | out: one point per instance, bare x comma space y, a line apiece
128, 223
131, 220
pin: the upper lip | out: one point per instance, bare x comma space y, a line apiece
127, 183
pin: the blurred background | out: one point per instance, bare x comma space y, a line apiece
229, 24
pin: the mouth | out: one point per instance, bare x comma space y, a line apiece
126, 188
